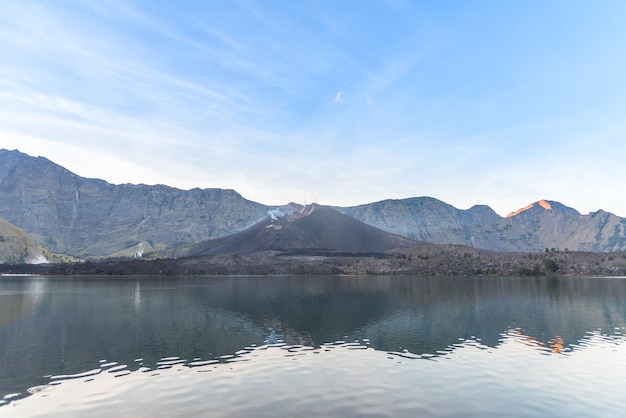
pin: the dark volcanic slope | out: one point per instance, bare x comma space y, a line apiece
296, 227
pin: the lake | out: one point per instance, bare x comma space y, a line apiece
312, 346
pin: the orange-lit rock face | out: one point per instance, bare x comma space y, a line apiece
543, 203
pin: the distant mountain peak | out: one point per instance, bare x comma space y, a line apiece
542, 203
547, 205
90, 218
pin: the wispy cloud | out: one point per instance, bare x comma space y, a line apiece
318, 100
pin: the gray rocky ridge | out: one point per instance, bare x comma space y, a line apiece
90, 218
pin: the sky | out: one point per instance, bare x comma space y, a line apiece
500, 103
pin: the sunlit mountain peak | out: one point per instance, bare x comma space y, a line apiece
546, 204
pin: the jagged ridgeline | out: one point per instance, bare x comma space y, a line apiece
540, 225
90, 218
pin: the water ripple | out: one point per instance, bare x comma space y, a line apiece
352, 379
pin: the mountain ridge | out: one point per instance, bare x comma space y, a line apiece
530, 229
91, 218
69, 214
545, 204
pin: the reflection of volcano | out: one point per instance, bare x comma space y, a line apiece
312, 227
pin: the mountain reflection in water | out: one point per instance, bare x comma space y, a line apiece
67, 326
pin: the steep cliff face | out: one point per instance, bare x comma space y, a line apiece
540, 225
69, 214
428, 219
89, 218
548, 224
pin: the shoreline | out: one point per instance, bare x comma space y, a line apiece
425, 260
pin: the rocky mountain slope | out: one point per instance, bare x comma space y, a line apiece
312, 227
428, 219
69, 214
543, 224
552, 225
17, 247
90, 218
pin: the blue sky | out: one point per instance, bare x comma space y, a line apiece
472, 102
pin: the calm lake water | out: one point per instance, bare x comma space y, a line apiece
312, 346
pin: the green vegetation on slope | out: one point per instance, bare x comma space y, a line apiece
16, 246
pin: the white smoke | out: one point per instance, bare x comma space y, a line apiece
40, 259
275, 214
139, 252
291, 211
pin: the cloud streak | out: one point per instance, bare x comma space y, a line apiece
433, 101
